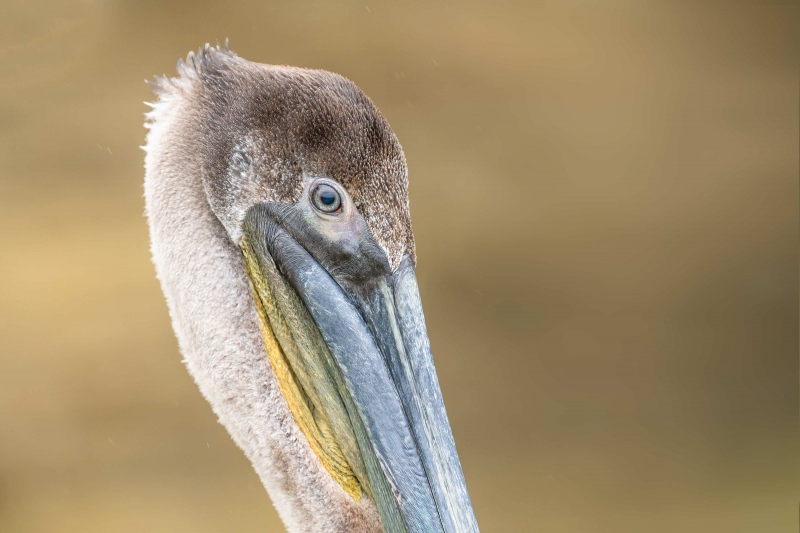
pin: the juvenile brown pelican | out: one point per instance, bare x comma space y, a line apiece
278, 209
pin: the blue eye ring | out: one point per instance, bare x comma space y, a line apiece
327, 199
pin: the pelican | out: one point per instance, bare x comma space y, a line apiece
277, 200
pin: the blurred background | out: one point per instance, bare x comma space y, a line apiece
605, 200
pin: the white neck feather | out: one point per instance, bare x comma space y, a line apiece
208, 294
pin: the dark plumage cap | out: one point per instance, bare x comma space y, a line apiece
259, 128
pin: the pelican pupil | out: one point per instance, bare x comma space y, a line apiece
327, 199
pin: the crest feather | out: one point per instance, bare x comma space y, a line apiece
206, 60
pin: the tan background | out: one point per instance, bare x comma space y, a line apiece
605, 199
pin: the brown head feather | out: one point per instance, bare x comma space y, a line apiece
259, 128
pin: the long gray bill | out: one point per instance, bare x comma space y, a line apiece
371, 320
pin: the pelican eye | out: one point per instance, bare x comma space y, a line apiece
326, 199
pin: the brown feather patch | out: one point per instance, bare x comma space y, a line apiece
258, 128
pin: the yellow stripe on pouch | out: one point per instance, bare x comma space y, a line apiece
293, 376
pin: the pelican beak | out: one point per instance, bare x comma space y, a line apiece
346, 337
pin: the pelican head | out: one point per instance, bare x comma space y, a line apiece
277, 199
